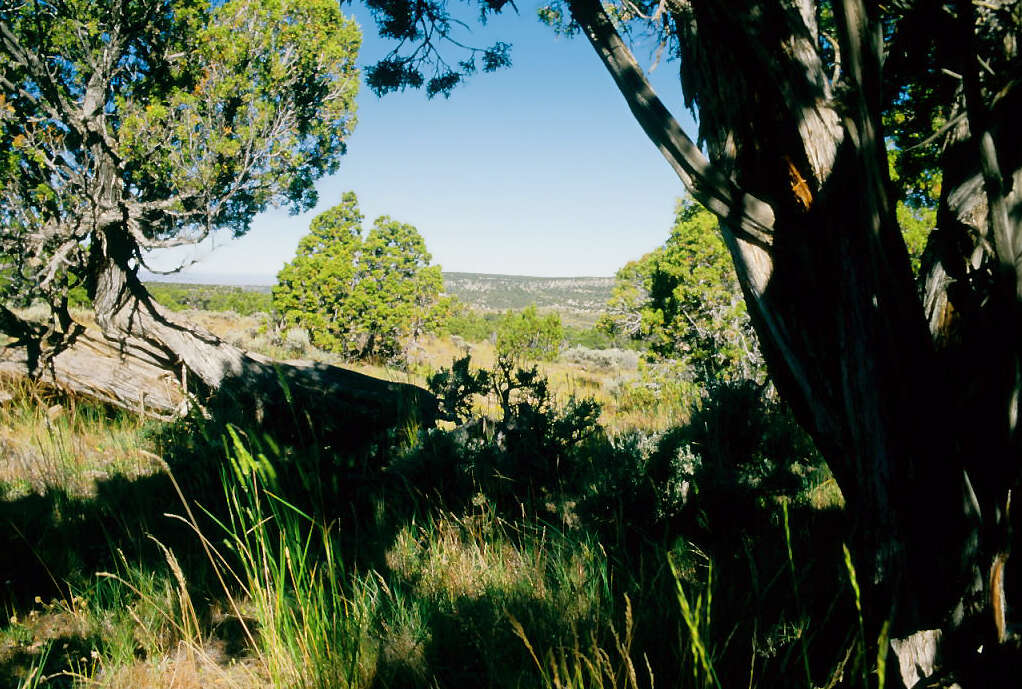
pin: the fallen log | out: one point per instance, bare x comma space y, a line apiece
97, 368
138, 375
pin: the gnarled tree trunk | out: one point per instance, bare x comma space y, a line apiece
917, 423
148, 360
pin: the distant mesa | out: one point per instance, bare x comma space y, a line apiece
227, 279
502, 292
480, 290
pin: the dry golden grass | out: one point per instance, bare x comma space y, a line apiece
56, 443
430, 353
457, 559
67, 630
186, 668
567, 380
826, 495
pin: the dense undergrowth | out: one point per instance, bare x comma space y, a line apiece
533, 548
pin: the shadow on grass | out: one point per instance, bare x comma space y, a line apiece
53, 542
626, 501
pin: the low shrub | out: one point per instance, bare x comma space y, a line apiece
603, 359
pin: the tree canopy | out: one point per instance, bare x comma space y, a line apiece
422, 30
527, 335
133, 125
161, 121
359, 294
683, 299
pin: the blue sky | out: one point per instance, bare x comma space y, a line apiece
539, 169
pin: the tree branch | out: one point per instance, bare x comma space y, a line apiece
31, 62
993, 182
750, 218
862, 50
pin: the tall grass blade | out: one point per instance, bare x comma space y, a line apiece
883, 645
850, 566
694, 622
798, 597
35, 677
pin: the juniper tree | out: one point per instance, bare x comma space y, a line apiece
527, 336
359, 296
135, 125
913, 401
683, 299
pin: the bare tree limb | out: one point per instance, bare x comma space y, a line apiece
993, 182
752, 219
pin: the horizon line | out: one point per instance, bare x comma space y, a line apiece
263, 279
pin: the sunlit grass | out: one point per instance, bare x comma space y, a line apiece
52, 441
608, 386
312, 627
268, 591
589, 665
626, 406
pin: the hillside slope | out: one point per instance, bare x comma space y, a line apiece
502, 292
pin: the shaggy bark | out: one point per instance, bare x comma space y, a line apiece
924, 457
149, 361
975, 318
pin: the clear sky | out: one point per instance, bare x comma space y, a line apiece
539, 169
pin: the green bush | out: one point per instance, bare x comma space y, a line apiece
526, 335
470, 324
179, 297
535, 445
359, 295
599, 338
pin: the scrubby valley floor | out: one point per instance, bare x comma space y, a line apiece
598, 532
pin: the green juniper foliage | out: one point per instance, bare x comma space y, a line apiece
467, 323
421, 29
684, 301
526, 335
153, 123
359, 296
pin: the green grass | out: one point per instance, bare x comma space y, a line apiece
422, 559
56, 441
310, 626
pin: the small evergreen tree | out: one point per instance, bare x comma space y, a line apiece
683, 299
359, 296
526, 335
397, 290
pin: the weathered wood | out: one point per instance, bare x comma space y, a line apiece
132, 373
918, 656
97, 368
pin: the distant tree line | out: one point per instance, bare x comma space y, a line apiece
241, 301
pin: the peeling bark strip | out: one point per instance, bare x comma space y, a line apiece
910, 407
98, 368
918, 656
131, 373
